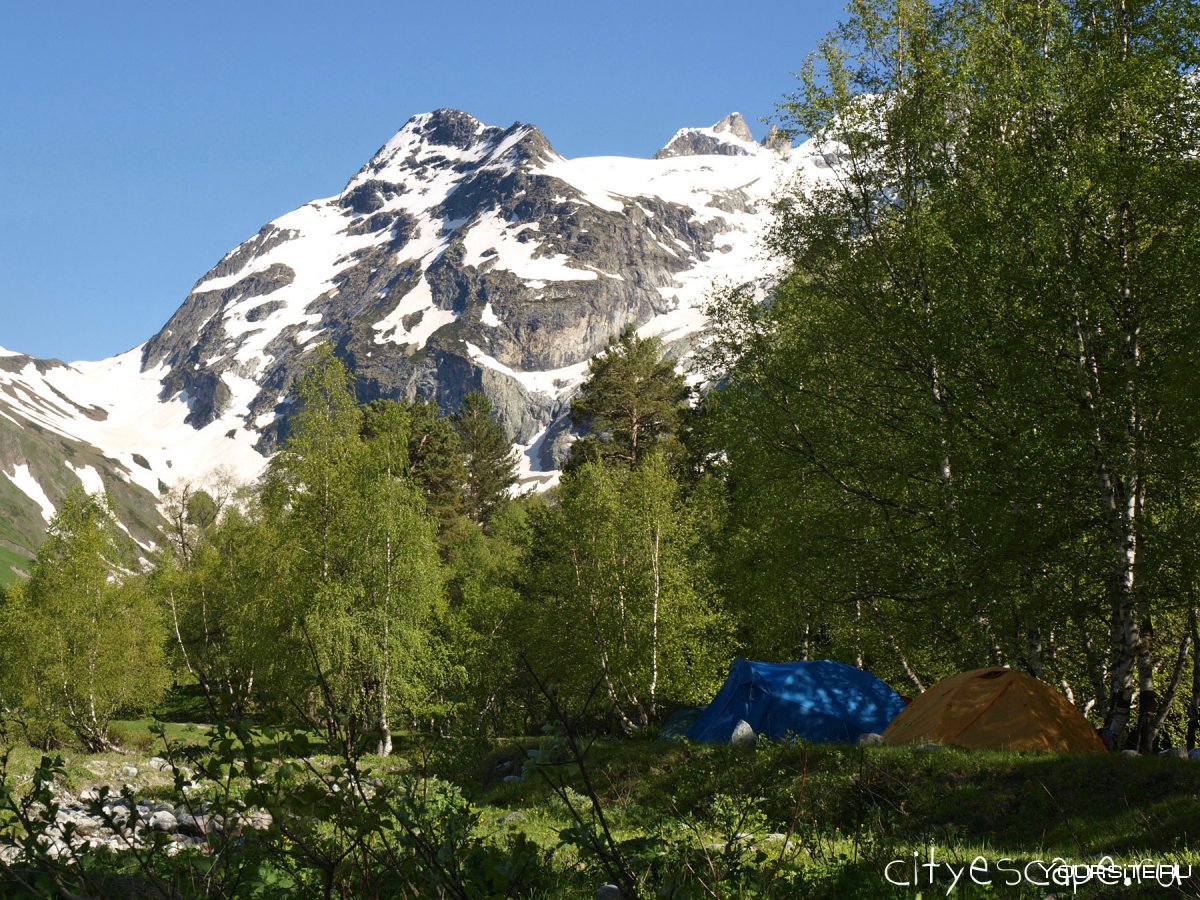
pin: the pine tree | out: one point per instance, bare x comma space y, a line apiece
491, 464
632, 401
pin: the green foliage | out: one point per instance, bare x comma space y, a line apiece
82, 640
958, 432
277, 826
489, 460
487, 620
778, 820
622, 594
221, 604
357, 574
632, 401
415, 440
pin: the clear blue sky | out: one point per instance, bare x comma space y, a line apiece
140, 141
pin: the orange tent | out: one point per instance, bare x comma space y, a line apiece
996, 708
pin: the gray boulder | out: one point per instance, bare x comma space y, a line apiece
197, 826
870, 739
163, 821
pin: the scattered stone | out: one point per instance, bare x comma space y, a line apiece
260, 820
86, 827
511, 779
89, 796
163, 821
127, 772
743, 735
870, 739
927, 747
194, 826
1129, 753
510, 818
158, 764
608, 892
118, 814
1175, 753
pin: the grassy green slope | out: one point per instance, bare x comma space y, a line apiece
851, 810
22, 526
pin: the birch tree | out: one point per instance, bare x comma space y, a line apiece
83, 641
978, 368
360, 575
624, 592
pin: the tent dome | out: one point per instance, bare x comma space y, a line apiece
818, 701
995, 708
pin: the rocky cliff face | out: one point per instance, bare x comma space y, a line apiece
461, 257
729, 137
467, 257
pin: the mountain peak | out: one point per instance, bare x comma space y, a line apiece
734, 124
445, 128
729, 137
450, 139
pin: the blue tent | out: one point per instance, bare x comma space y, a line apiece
818, 701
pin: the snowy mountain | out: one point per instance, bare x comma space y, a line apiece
461, 257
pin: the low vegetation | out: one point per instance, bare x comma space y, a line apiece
678, 819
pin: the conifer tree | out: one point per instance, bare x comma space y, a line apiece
488, 457
632, 401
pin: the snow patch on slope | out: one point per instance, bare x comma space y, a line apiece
496, 242
128, 419
28, 485
553, 383
488, 317
88, 477
418, 303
